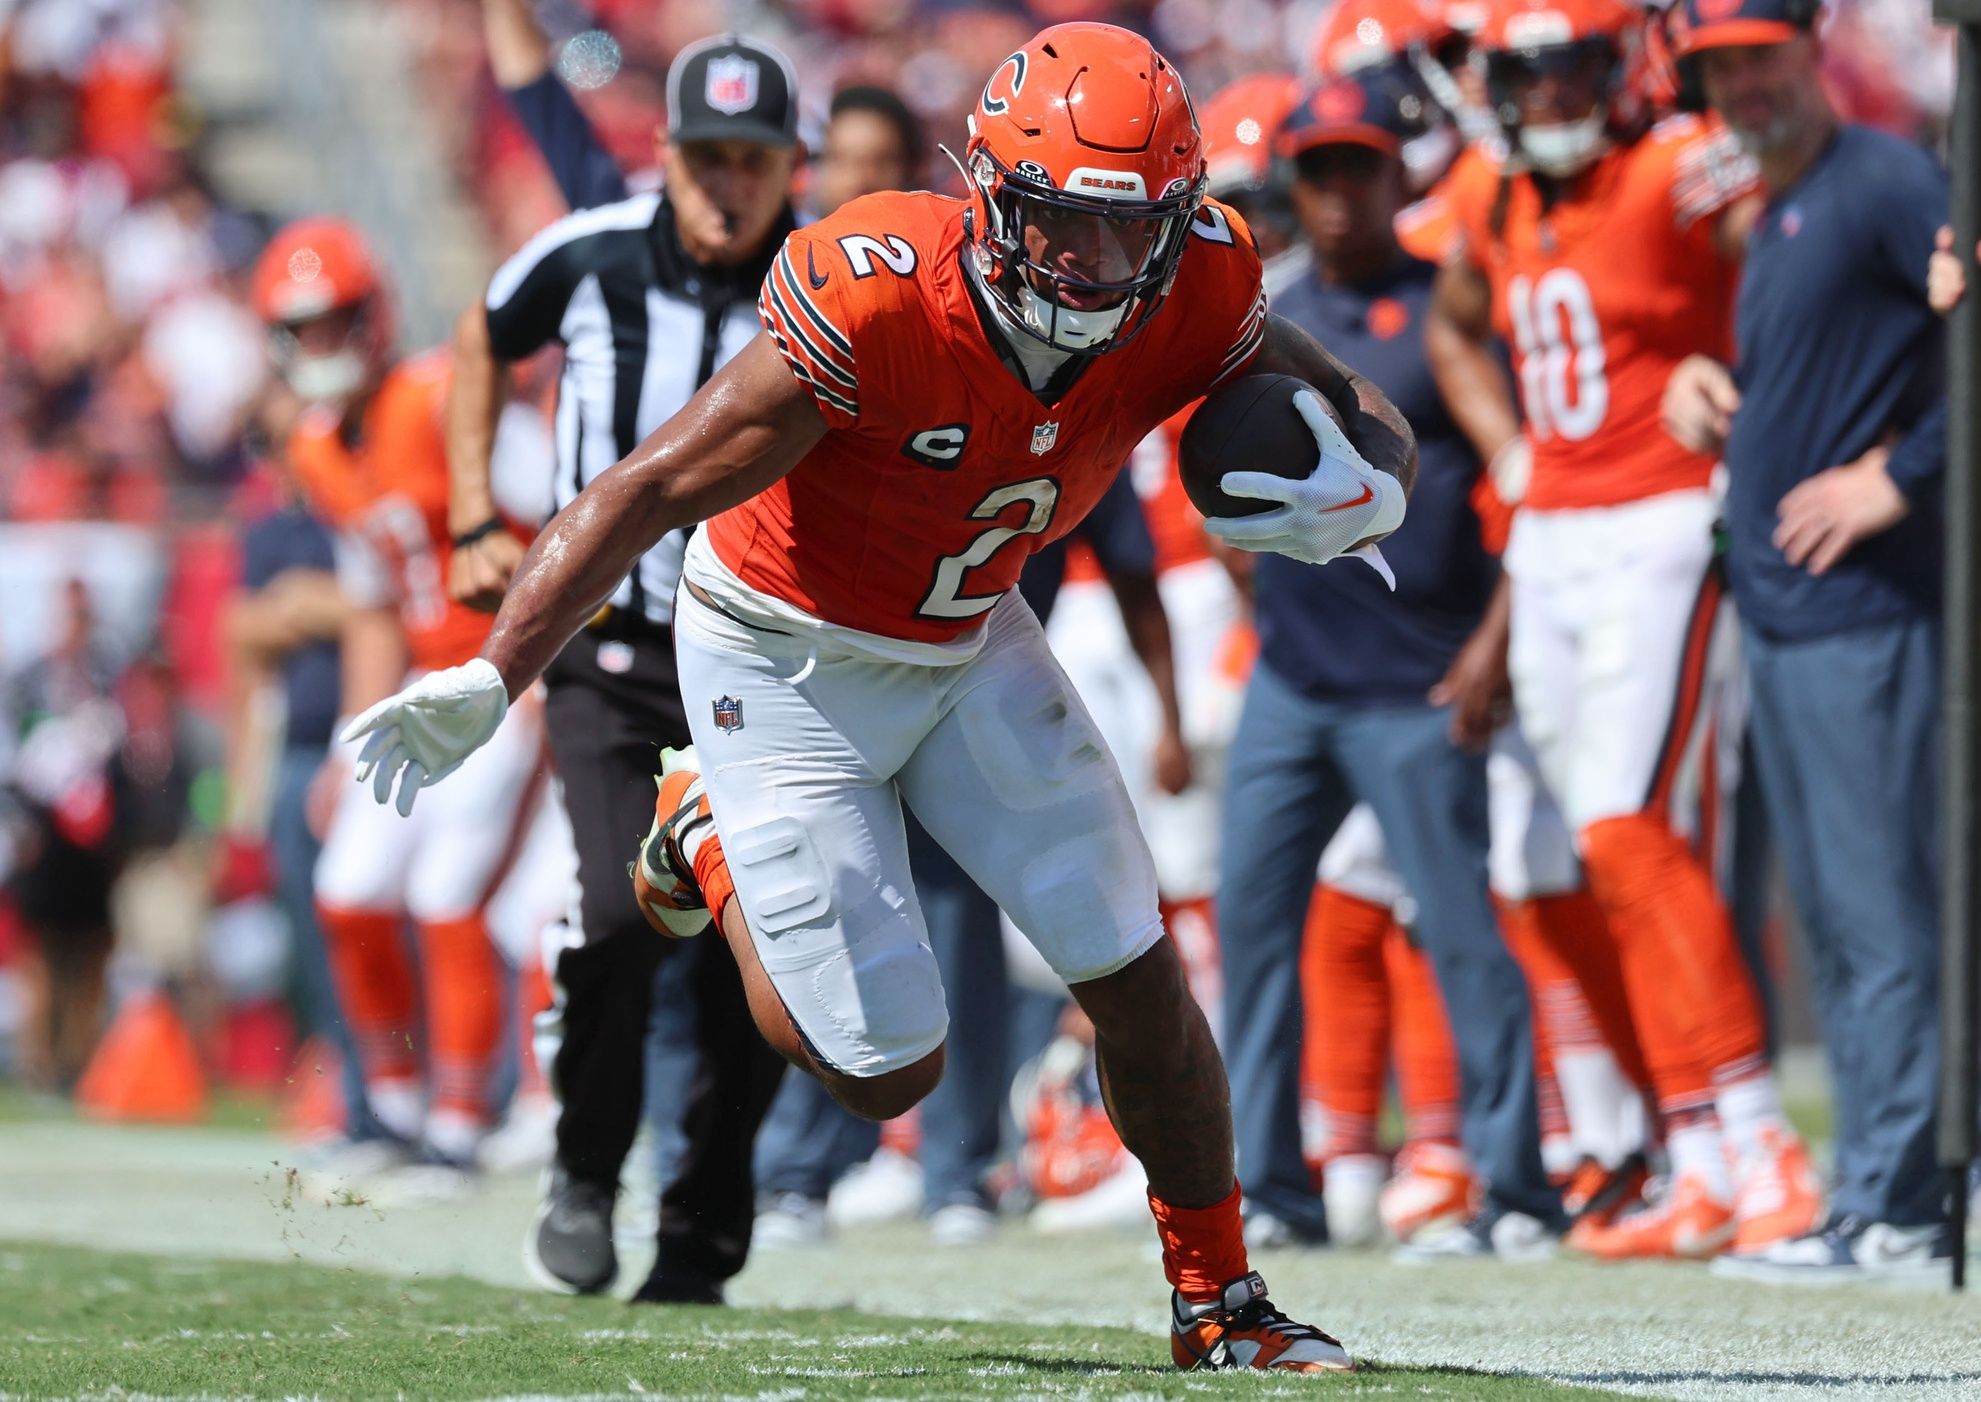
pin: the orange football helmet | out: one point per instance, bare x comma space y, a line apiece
1588, 52
1087, 167
1360, 34
1238, 124
1417, 42
310, 269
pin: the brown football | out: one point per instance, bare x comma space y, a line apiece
1250, 425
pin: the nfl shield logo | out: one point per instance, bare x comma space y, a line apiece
732, 84
729, 715
1044, 436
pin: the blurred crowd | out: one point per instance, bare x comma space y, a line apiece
170, 642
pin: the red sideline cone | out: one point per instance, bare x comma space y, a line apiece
145, 1068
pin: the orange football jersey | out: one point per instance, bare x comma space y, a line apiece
1600, 295
942, 470
389, 488
1429, 229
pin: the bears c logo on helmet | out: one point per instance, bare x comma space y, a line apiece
1015, 66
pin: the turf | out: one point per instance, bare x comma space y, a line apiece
83, 1323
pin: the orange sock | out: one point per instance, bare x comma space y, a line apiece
374, 980
1566, 948
712, 875
1426, 1058
1547, 1091
1649, 881
532, 997
1203, 1248
465, 980
1344, 987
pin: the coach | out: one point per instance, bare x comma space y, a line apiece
1833, 426
648, 296
1339, 708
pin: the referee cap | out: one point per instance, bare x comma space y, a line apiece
727, 87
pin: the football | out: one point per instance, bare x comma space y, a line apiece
1248, 426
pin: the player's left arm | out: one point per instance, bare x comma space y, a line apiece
1375, 427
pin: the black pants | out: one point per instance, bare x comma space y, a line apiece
614, 702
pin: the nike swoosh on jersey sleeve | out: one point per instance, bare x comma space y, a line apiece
1251, 335
819, 353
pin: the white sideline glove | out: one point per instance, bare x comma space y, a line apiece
424, 733
1321, 515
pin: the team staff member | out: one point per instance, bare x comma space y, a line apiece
1338, 708
648, 296
1832, 421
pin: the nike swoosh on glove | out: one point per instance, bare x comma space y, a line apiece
1322, 515
427, 731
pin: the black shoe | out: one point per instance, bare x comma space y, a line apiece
678, 1288
569, 1248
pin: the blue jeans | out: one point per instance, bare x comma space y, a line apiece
808, 1141
295, 849
1847, 744
1297, 767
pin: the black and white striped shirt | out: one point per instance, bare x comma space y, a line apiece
643, 327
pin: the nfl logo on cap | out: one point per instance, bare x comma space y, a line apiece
732, 84
1044, 436
729, 715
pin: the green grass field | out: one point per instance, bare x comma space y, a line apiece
88, 1323
192, 1263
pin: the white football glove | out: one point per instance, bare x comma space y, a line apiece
424, 733
1323, 514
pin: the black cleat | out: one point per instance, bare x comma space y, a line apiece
569, 1247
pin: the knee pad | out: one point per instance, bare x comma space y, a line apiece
783, 878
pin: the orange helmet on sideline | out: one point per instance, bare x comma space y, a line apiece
311, 269
1086, 130
1360, 34
1593, 45
1238, 124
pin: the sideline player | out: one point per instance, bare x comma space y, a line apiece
1604, 252
931, 390
370, 454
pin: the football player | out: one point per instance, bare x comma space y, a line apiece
1602, 250
370, 456
942, 386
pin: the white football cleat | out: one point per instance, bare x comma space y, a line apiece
663, 883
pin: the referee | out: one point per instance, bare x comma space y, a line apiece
647, 296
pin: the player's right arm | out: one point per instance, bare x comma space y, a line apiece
743, 431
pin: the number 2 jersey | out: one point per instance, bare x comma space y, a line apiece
1600, 295
941, 470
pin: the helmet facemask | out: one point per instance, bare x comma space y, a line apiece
326, 368
1080, 273
1589, 67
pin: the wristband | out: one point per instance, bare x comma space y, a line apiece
486, 528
